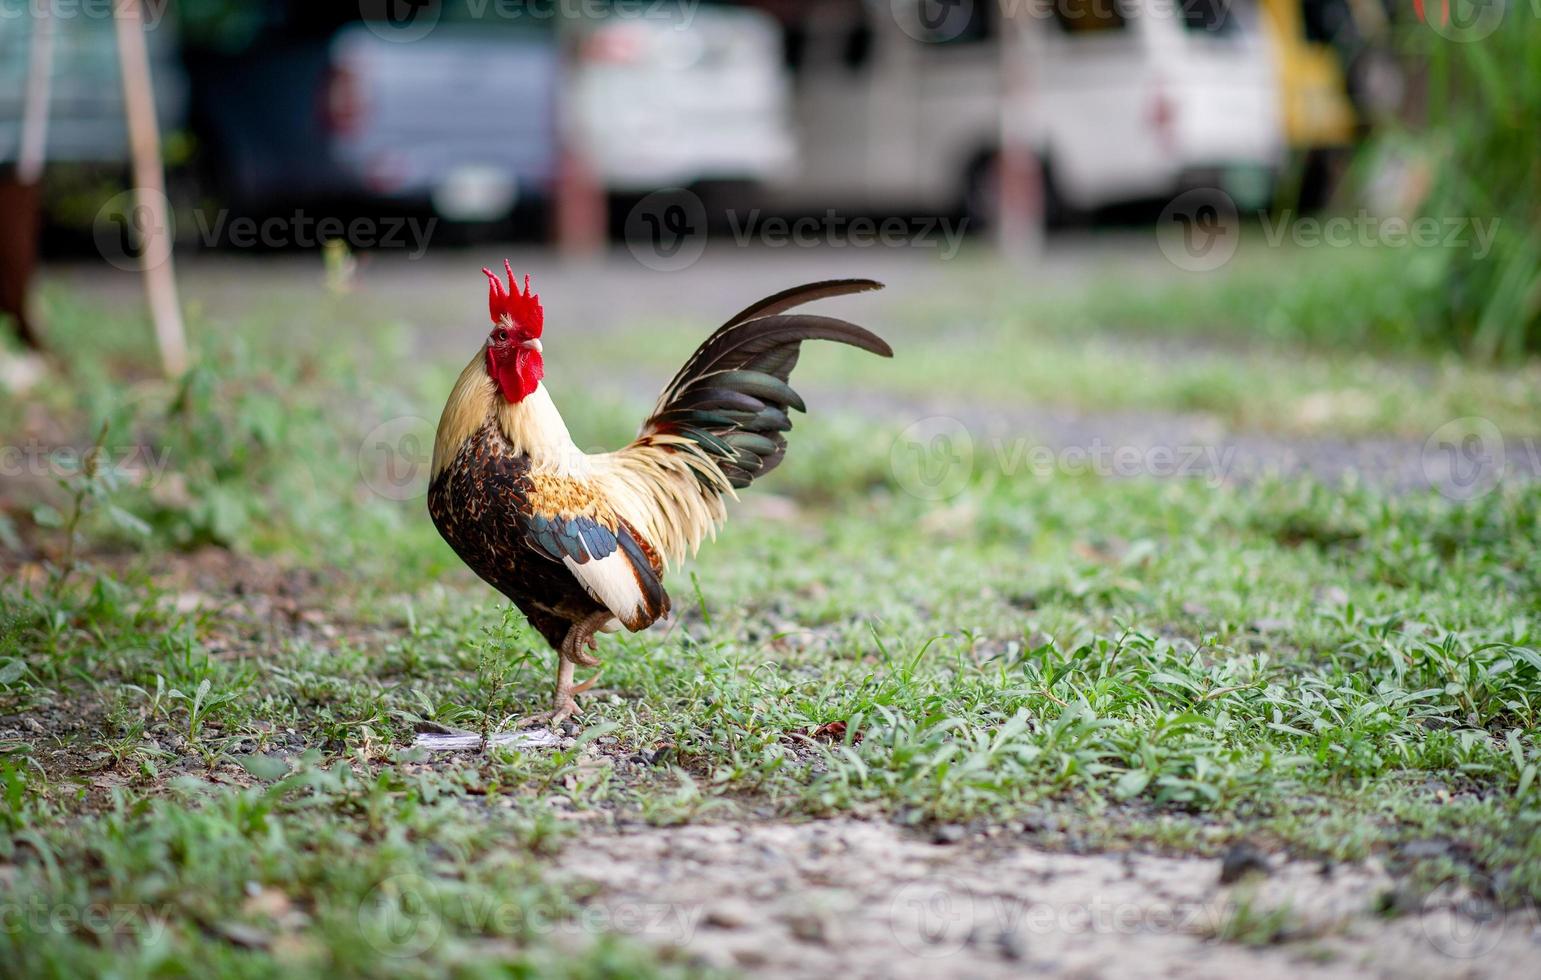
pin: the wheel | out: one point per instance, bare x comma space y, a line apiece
981, 199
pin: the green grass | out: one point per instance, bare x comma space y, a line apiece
219, 762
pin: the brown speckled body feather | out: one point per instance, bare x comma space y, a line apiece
476, 504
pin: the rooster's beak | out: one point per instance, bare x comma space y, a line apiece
531, 344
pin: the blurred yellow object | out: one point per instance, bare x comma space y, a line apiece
341, 266
1317, 110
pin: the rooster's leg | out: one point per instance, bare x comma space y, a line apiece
574, 651
565, 705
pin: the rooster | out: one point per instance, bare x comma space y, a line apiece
580, 543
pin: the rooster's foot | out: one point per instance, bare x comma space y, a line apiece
566, 705
563, 710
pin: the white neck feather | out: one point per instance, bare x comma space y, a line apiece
535, 428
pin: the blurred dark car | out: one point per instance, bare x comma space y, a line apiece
313, 106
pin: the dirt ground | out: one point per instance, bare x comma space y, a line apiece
848, 898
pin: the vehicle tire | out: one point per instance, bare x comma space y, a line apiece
982, 193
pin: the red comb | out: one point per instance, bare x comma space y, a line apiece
522, 308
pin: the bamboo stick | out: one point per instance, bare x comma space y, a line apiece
150, 187
34, 114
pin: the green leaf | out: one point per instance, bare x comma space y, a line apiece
127, 522
1132, 783
264, 767
8, 537
47, 516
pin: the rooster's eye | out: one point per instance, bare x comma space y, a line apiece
501, 336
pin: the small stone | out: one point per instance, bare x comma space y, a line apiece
1013, 947
1242, 859
947, 833
750, 957
727, 916
1270, 625
808, 928
1420, 850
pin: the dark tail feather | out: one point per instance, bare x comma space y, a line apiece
798, 295
732, 397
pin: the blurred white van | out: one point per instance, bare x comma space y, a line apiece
682, 93
900, 104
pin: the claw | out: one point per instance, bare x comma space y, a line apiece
565, 708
